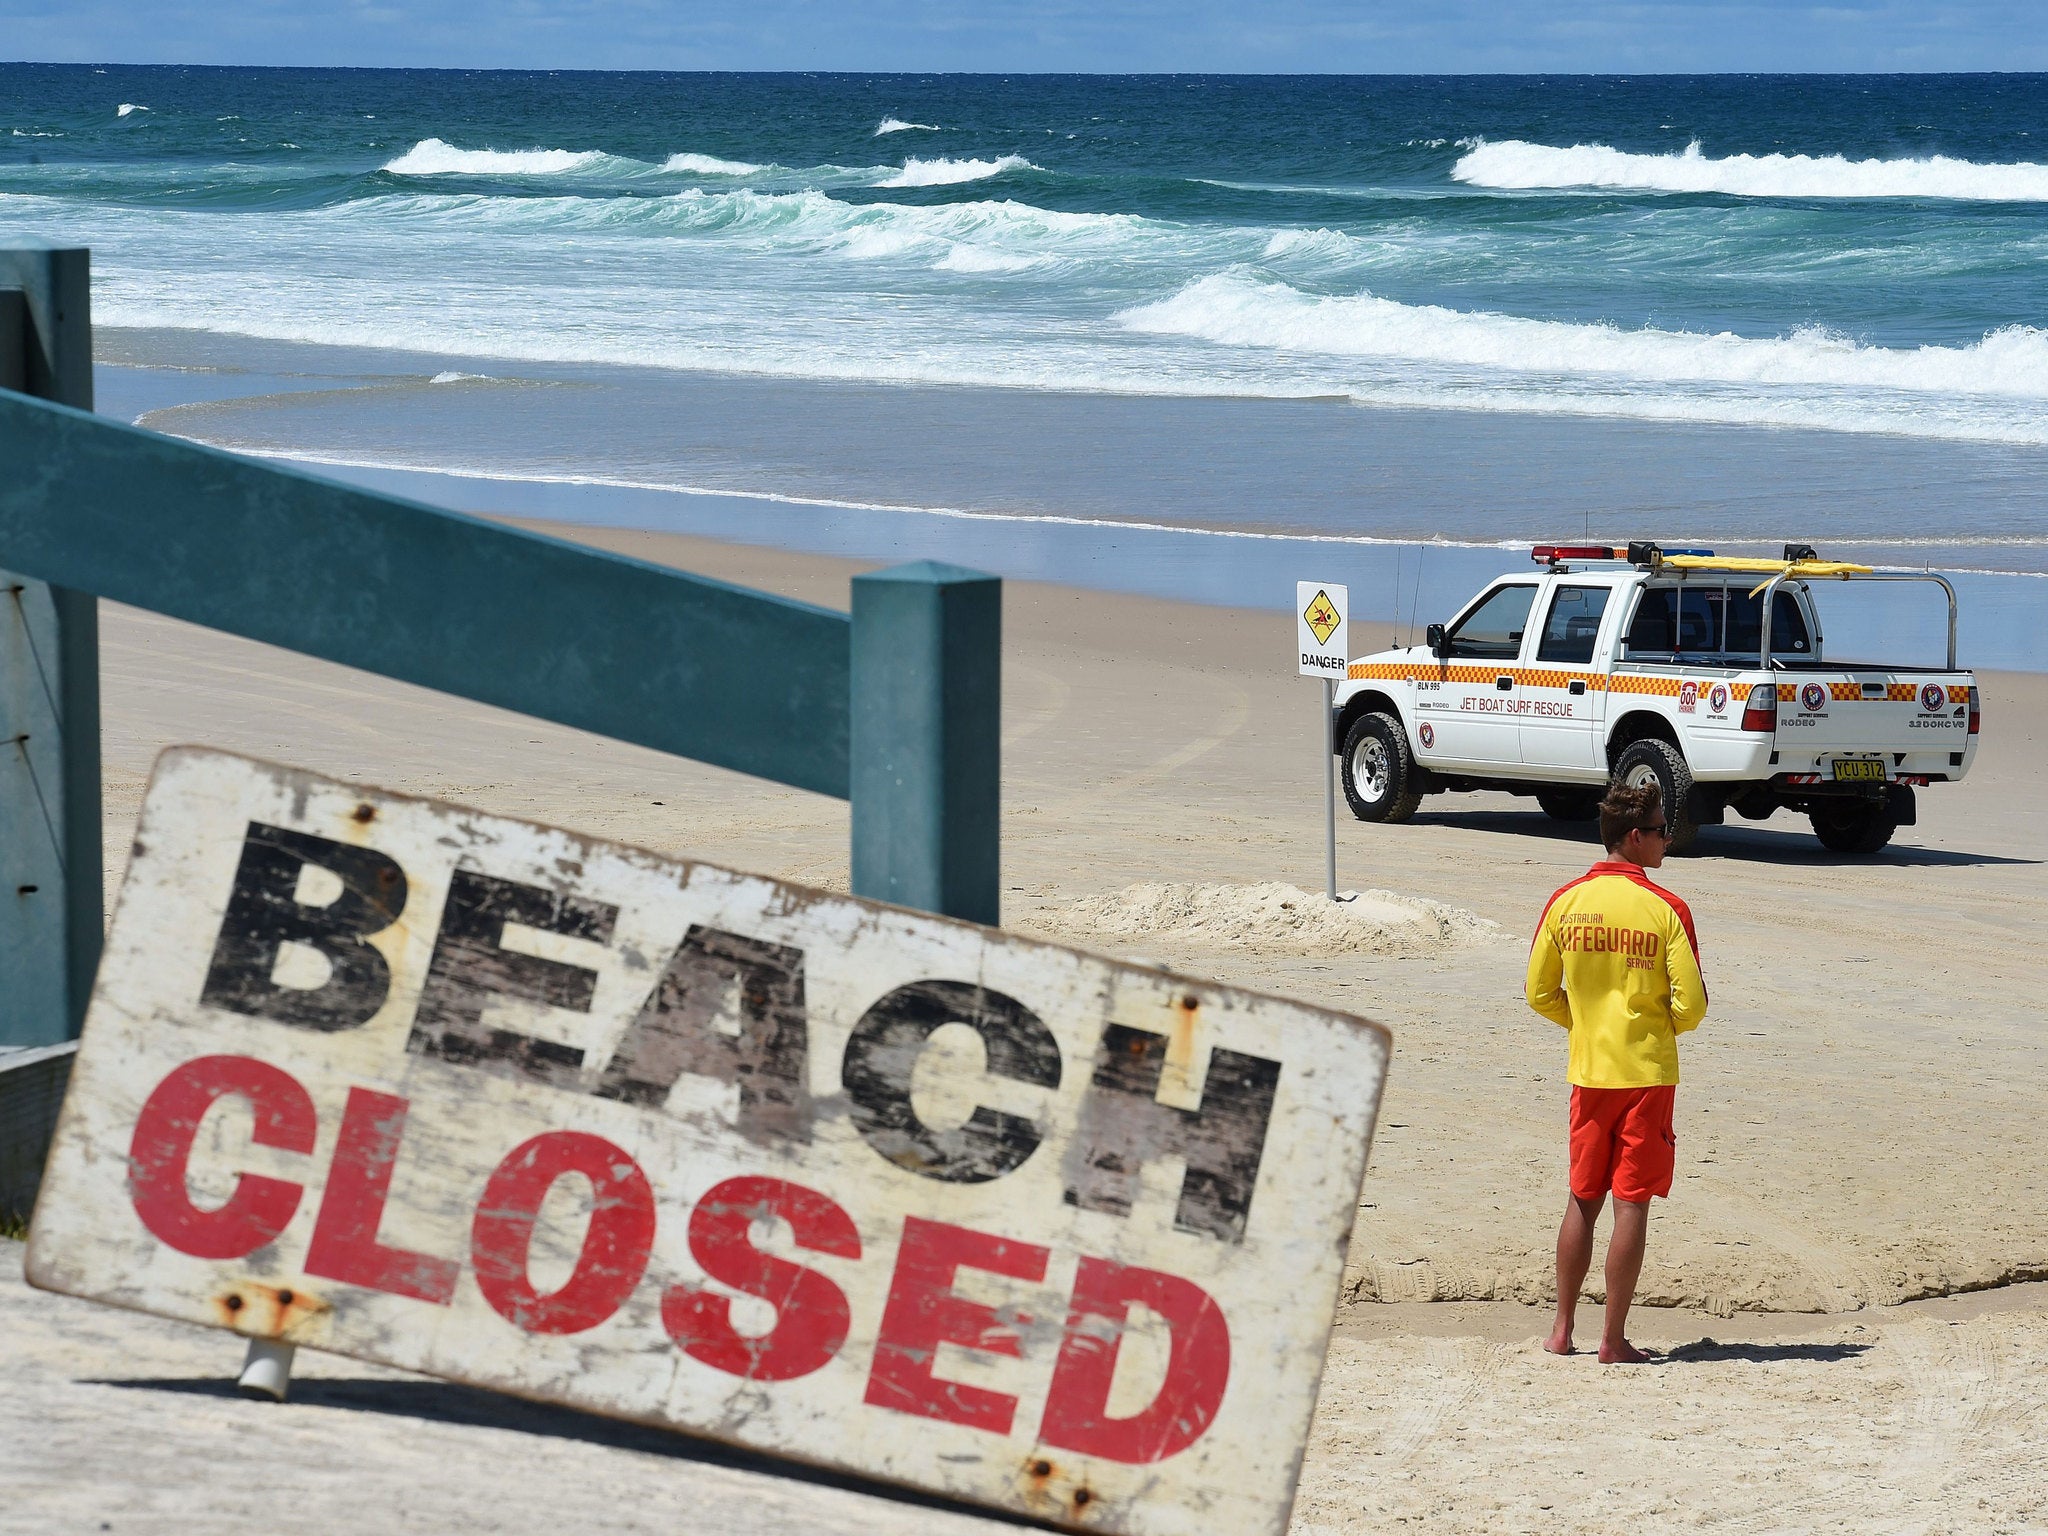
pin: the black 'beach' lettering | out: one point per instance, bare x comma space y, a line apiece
1123, 1125
678, 1030
883, 1052
471, 967
264, 913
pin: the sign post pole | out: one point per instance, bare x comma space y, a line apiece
1322, 637
1330, 746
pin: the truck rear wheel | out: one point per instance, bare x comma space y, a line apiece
1642, 762
1570, 804
1853, 826
1379, 772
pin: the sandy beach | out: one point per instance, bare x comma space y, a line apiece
1844, 1283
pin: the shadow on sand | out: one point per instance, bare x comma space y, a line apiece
1762, 1354
472, 1407
1749, 843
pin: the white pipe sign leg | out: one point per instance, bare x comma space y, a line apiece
838, 1182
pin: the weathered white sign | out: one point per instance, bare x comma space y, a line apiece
848, 1184
1322, 628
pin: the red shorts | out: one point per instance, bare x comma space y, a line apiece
1622, 1140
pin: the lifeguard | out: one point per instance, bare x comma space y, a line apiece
1616, 962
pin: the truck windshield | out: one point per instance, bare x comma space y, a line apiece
1493, 631
1717, 625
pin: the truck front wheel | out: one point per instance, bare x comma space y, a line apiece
1379, 772
1642, 762
1853, 826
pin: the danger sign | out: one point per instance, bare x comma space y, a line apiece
844, 1183
1321, 633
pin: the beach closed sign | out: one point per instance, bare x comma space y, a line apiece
1321, 630
842, 1183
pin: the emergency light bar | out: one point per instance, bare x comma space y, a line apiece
1638, 552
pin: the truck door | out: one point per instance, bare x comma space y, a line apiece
1473, 723
1563, 719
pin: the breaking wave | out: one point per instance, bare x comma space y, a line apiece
897, 125
436, 157
710, 165
1235, 310
127, 107
946, 173
1515, 165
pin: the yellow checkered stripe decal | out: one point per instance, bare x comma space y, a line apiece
1852, 693
1655, 686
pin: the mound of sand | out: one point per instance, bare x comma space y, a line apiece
1270, 918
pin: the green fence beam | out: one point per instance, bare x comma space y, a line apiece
627, 649
926, 738
51, 898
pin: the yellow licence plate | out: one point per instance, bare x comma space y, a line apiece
1859, 768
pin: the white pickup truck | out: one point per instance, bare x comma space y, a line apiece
1637, 663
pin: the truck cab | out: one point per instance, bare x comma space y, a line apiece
1707, 674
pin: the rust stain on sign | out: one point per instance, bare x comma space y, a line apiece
857, 1186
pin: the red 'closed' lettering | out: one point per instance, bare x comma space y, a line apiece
159, 1152
615, 1245
923, 1313
1198, 1366
811, 1314
345, 1245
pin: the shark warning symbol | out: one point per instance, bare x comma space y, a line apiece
1321, 617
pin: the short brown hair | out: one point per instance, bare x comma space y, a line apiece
1629, 808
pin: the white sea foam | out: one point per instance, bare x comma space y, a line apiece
709, 165
980, 258
1236, 310
897, 125
1310, 243
435, 157
946, 173
450, 376
1514, 164
127, 107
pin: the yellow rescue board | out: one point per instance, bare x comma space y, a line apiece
1813, 568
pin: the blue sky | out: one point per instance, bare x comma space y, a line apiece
1284, 36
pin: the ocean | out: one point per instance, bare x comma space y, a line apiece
1163, 333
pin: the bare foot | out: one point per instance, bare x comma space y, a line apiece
1623, 1353
1560, 1340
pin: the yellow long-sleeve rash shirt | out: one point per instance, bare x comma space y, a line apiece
1616, 962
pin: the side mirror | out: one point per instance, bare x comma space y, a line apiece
1434, 637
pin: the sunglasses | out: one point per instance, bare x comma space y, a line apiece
1662, 829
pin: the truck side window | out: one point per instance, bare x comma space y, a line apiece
1654, 630
1572, 625
1493, 631
1788, 626
1699, 621
1746, 623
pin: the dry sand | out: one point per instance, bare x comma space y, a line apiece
1859, 1124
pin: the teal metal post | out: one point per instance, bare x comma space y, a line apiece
50, 880
925, 738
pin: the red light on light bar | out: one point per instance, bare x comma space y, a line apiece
1550, 554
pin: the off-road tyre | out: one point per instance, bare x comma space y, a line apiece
1853, 826
1651, 758
1576, 805
1378, 770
